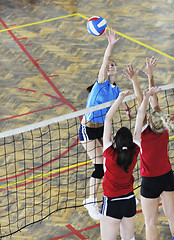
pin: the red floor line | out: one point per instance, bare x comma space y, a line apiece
49, 95
39, 110
38, 67
26, 45
37, 180
23, 38
38, 60
85, 229
54, 75
43, 74
11, 25
53, 160
46, 94
25, 89
82, 230
75, 232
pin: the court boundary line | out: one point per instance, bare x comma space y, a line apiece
74, 231
63, 117
84, 17
71, 115
131, 40
50, 173
16, 27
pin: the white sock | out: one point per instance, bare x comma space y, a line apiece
92, 199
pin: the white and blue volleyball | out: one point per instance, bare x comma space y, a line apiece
96, 25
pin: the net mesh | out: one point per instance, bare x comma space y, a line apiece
44, 168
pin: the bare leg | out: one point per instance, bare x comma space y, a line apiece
168, 208
109, 227
94, 149
150, 211
127, 228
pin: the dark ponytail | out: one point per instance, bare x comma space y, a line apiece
90, 88
124, 148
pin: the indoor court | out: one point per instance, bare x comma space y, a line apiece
48, 59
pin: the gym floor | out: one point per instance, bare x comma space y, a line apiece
48, 59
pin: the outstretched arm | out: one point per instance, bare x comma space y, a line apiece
112, 40
150, 65
142, 111
109, 116
133, 77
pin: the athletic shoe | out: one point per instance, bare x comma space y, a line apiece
92, 208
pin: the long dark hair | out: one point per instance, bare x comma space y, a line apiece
90, 88
124, 148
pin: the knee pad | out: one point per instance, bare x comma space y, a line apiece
98, 172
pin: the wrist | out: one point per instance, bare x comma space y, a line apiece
150, 75
134, 79
111, 44
121, 97
146, 98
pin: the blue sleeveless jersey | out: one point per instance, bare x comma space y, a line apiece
100, 93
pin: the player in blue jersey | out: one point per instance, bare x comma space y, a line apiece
92, 124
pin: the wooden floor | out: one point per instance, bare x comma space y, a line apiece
48, 59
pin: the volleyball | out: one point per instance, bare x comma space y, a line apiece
96, 25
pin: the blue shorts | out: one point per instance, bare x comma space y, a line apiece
88, 133
152, 187
119, 207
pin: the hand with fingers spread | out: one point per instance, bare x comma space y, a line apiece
112, 38
124, 94
151, 91
130, 73
150, 65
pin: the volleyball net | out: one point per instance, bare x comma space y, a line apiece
44, 168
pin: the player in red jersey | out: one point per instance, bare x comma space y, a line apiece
155, 169
119, 204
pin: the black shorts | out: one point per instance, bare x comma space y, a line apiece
88, 133
152, 187
119, 207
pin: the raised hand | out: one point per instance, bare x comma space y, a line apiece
150, 65
124, 94
112, 38
130, 73
151, 91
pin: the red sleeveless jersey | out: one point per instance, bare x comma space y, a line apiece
116, 181
154, 153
